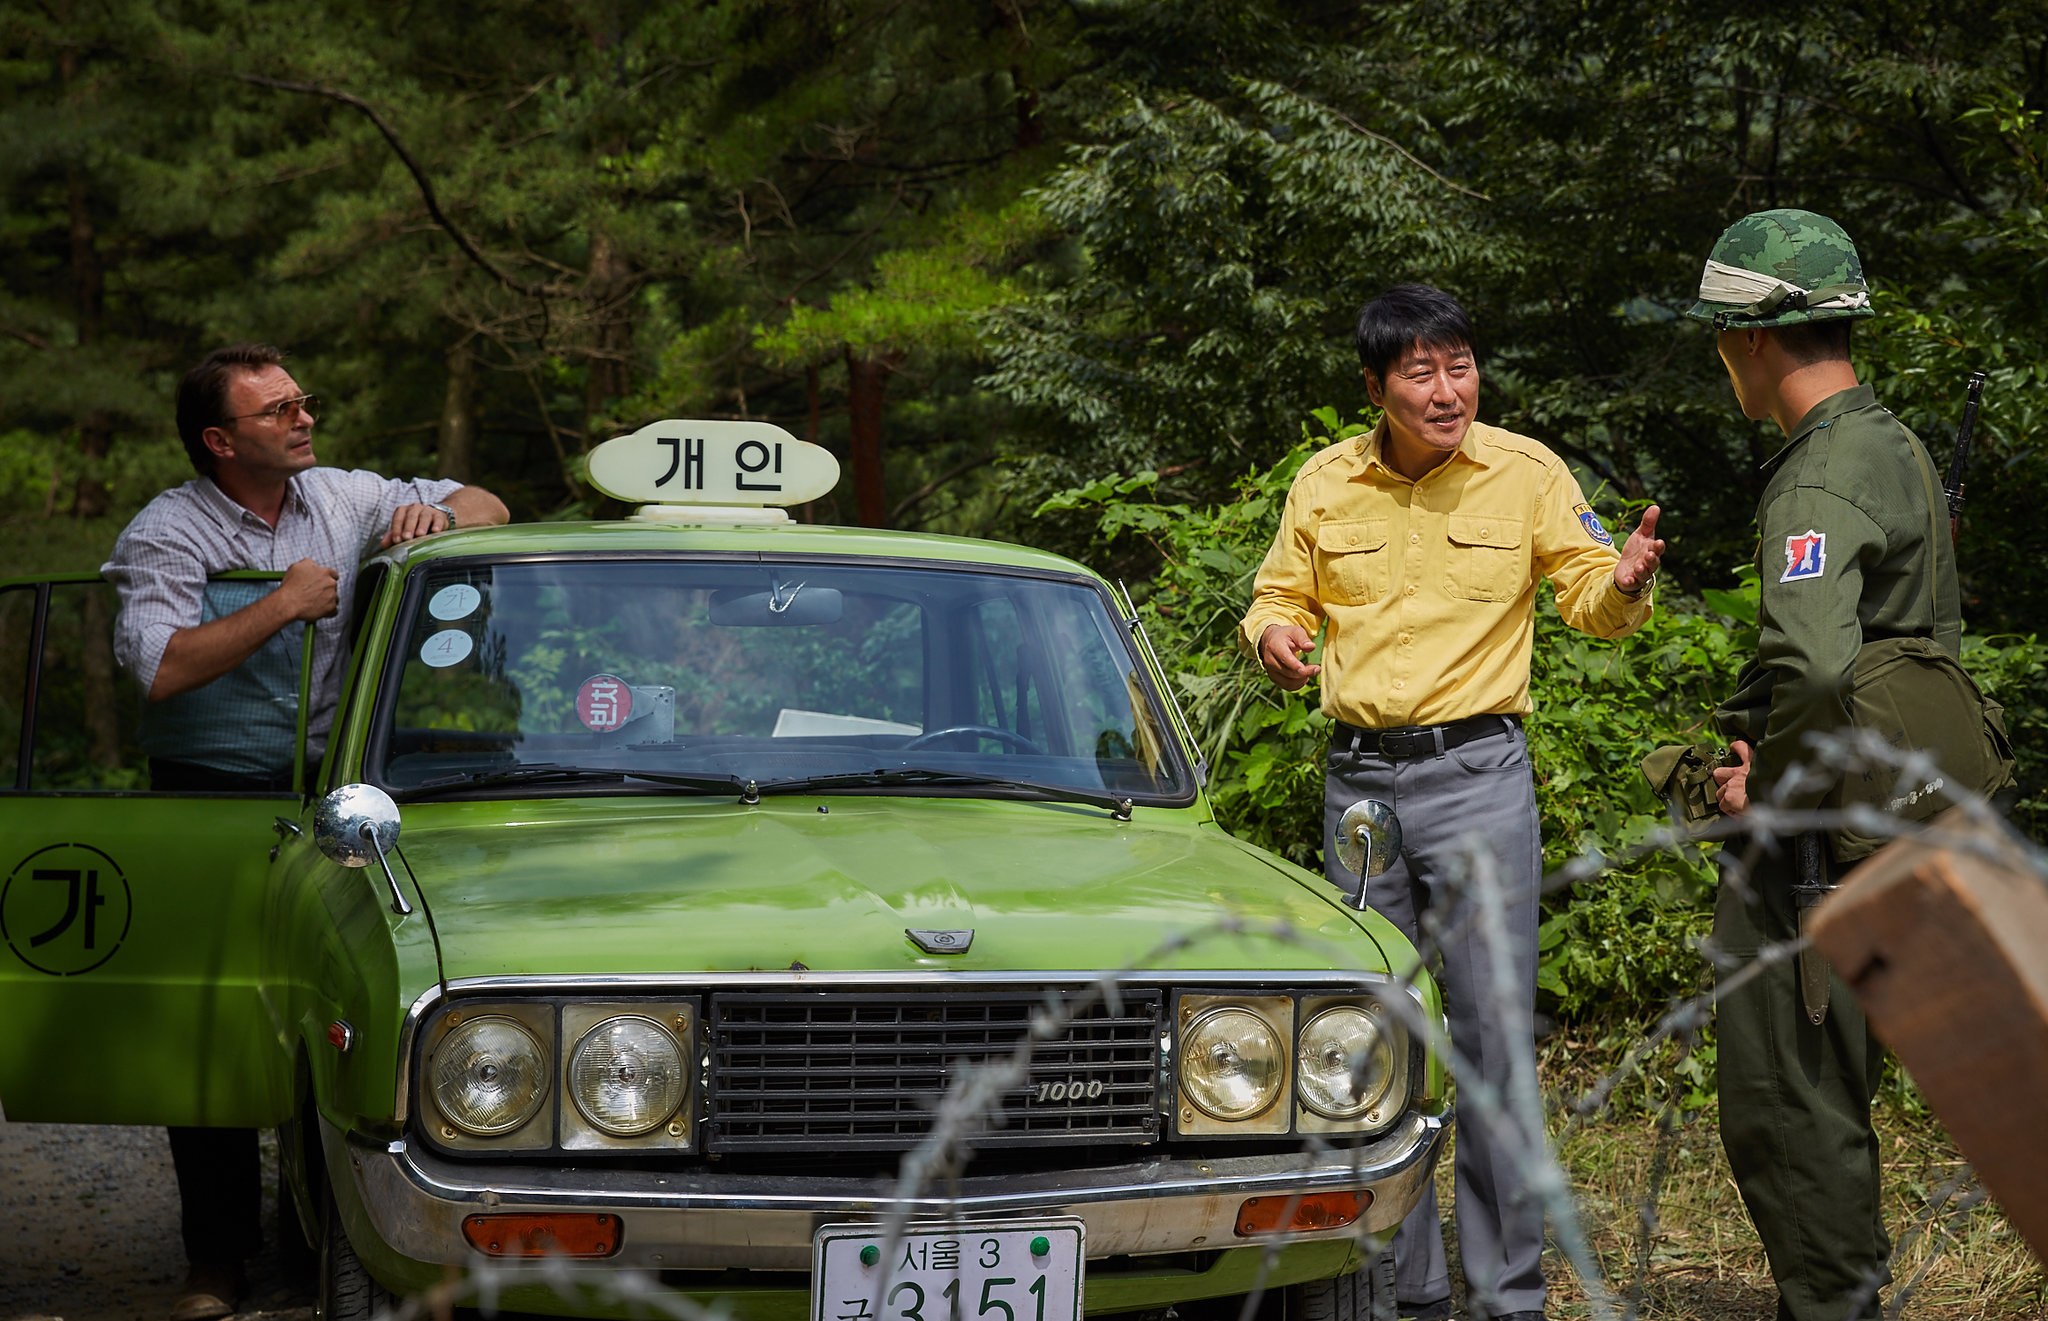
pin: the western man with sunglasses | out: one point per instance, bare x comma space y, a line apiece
220, 665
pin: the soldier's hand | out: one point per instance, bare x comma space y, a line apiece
1640, 556
1733, 781
309, 591
411, 522
1281, 648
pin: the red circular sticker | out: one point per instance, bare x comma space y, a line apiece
604, 702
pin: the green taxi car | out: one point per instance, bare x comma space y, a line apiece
829, 922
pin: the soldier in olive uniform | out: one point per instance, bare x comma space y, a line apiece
1854, 548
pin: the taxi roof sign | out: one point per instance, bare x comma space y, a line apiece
686, 462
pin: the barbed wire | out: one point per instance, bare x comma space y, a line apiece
1478, 903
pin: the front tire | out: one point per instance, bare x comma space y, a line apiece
1365, 1295
347, 1292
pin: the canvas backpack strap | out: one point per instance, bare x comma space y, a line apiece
1926, 468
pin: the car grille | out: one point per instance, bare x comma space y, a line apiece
864, 1071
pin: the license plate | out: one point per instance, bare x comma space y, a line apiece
990, 1270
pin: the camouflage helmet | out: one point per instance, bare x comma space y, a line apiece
1779, 268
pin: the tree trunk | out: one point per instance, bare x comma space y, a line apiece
89, 499
1030, 128
809, 514
88, 292
867, 388
456, 443
612, 339
96, 665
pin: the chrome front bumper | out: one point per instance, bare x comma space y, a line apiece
714, 1220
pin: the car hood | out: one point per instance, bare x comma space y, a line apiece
634, 885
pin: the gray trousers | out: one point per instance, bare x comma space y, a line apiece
1484, 788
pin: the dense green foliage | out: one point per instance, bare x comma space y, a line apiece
992, 250
1026, 242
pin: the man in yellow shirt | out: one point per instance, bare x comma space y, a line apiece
1418, 548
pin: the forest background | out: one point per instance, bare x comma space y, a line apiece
1077, 274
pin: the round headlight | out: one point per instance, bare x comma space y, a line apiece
1231, 1063
1344, 1063
489, 1076
627, 1076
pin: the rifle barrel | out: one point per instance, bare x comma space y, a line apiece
1959, 464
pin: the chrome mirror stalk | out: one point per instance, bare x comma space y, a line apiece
1368, 841
356, 823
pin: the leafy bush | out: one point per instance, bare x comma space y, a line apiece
1617, 949
1265, 746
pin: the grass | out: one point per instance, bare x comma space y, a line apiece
1705, 1263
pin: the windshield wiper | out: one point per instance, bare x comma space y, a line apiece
750, 791
543, 772
1118, 806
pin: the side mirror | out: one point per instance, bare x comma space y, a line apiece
1368, 841
356, 823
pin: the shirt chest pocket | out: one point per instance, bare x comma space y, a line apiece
1351, 560
1487, 559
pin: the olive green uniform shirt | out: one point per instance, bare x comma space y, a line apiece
1852, 551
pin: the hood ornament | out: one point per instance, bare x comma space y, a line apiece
941, 942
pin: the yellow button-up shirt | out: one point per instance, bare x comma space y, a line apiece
1429, 587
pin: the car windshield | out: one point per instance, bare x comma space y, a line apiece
568, 672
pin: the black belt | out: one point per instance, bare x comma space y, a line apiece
1419, 740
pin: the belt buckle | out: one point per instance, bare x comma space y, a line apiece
1401, 743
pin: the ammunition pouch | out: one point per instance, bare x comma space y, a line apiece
1682, 774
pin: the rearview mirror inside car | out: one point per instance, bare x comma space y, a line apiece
783, 604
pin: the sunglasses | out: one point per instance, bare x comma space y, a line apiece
284, 409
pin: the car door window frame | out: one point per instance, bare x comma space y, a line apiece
31, 694
370, 583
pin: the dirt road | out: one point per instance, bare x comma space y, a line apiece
89, 1228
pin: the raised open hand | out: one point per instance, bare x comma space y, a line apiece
1640, 556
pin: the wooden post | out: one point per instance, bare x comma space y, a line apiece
1946, 946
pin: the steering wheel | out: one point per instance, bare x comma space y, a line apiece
1009, 738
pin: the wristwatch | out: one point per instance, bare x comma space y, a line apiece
445, 510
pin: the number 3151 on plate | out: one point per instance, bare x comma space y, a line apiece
988, 1270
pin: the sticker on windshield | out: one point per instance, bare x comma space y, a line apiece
451, 646
604, 702
455, 601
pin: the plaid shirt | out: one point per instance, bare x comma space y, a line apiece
161, 562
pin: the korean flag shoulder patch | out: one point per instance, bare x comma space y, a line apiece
1592, 524
1806, 556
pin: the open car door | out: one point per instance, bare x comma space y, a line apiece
132, 919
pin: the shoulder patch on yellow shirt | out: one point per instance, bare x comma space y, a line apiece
1594, 528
